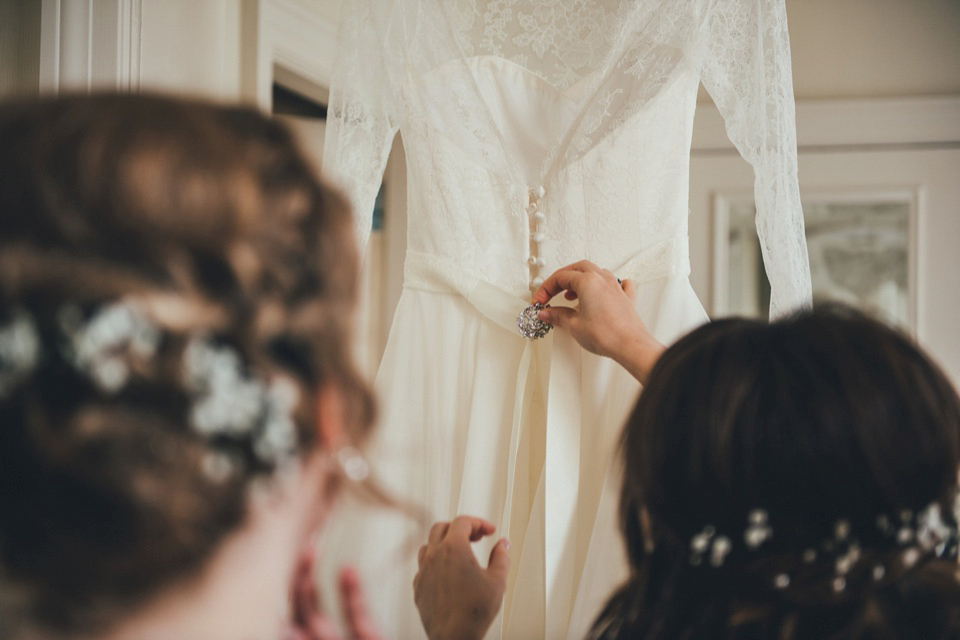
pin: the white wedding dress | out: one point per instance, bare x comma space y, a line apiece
538, 133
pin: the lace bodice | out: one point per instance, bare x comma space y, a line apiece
539, 132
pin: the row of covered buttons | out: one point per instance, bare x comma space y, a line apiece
536, 234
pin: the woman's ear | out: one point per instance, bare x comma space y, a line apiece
329, 418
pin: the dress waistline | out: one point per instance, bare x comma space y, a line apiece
428, 272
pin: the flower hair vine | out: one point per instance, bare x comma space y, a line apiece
229, 405
916, 534
717, 547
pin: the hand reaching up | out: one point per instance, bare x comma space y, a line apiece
604, 322
457, 598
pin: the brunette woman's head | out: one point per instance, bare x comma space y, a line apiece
175, 286
791, 480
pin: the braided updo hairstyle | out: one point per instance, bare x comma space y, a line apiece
791, 480
210, 219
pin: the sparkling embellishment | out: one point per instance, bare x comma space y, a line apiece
721, 547
845, 562
910, 557
700, 542
758, 531
878, 572
782, 581
839, 584
809, 555
532, 327
842, 529
932, 531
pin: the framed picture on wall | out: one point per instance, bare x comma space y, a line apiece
862, 247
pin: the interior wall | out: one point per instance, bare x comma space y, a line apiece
19, 47
841, 48
846, 49
874, 48
191, 47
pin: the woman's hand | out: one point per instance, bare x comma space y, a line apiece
457, 598
311, 623
605, 321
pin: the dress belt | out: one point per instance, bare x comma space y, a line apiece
428, 272
561, 479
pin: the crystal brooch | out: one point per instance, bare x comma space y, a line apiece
531, 326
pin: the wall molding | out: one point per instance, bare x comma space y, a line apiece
851, 125
90, 44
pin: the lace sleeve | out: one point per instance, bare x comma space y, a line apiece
747, 72
360, 125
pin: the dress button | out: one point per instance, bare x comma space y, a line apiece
538, 216
536, 283
539, 192
532, 208
538, 238
536, 261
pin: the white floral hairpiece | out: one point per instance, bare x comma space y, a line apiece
231, 404
102, 346
227, 403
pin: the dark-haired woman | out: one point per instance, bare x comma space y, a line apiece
789, 480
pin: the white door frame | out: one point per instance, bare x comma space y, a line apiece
90, 44
290, 42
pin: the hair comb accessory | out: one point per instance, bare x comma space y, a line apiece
928, 532
19, 351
